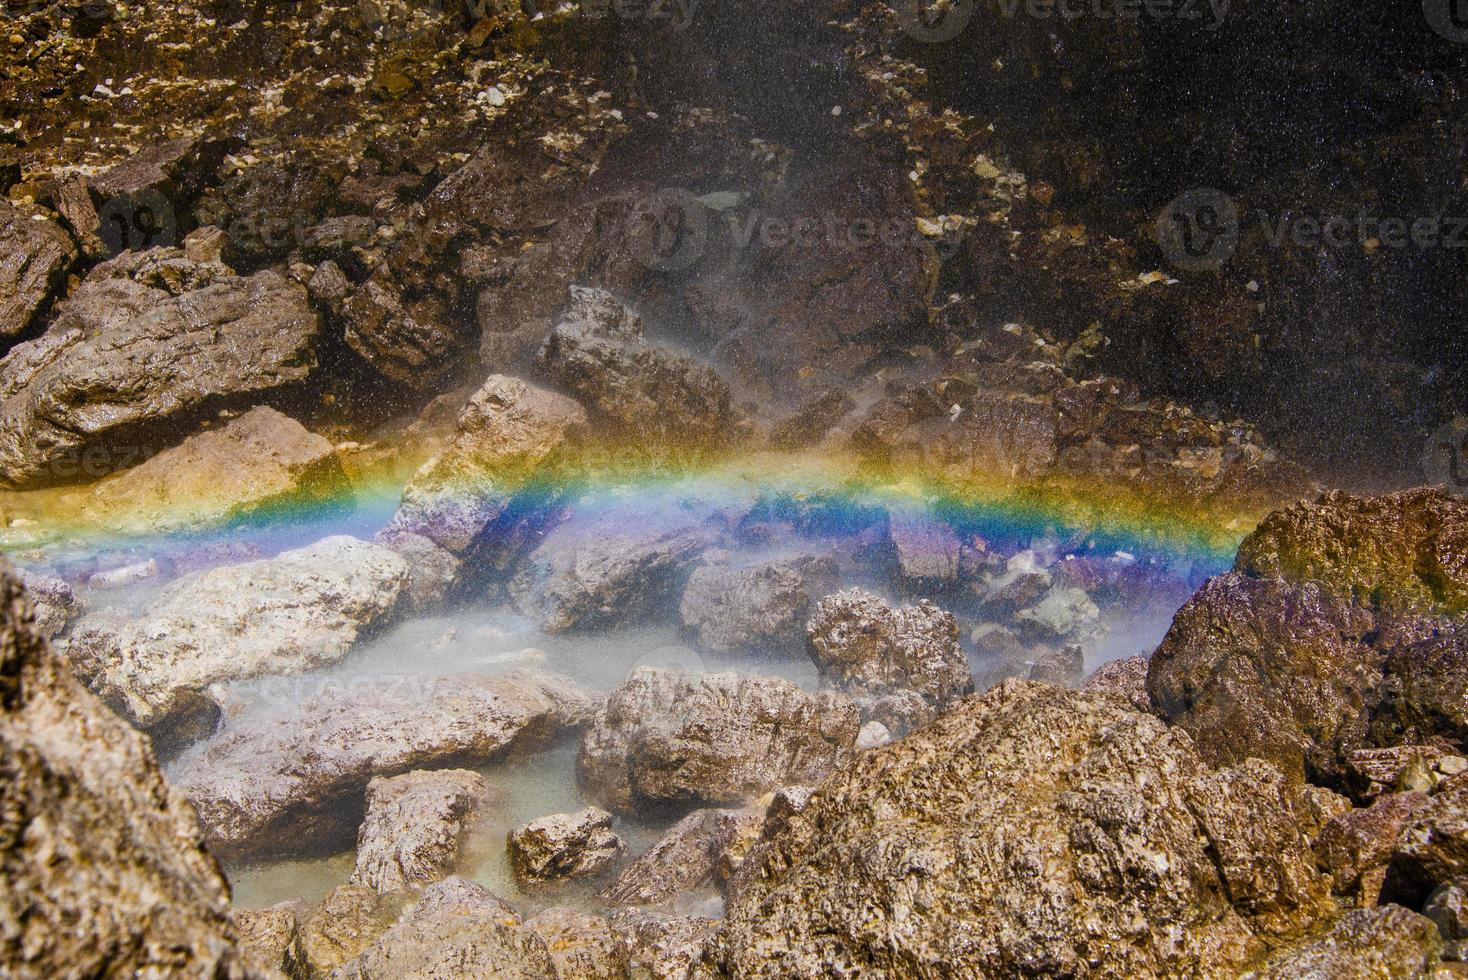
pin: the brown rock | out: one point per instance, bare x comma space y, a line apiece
1063, 667
1432, 848
269, 935
686, 857
762, 608
414, 826
1354, 846
659, 944
1365, 944
1127, 677
564, 845
34, 259
582, 946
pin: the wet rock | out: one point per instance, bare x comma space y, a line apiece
126, 364
873, 735
1022, 582
667, 740
1401, 768
1267, 669
925, 550
762, 608
1432, 848
610, 567
414, 826
104, 864
123, 576
1354, 846
1388, 941
1033, 867
432, 570
686, 857
1127, 677
269, 935
350, 919
296, 782
1405, 551
507, 432
300, 610
458, 929
34, 259
52, 599
865, 646
74, 204
809, 423
1064, 612
659, 944
411, 340
174, 169
564, 845
582, 946
1064, 667
1448, 910
1424, 692
259, 461
599, 355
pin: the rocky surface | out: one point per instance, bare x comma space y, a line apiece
1389, 941
1355, 846
581, 945
252, 464
760, 609
564, 845
1431, 848
53, 602
1053, 780
1126, 677
302, 609
687, 856
130, 360
37, 256
348, 921
296, 782
660, 943
105, 867
666, 740
863, 645
414, 826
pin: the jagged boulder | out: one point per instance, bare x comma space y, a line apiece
34, 259
761, 608
582, 946
666, 740
302, 609
1387, 941
1126, 677
687, 856
127, 363
349, 920
1088, 839
564, 845
296, 782
104, 865
414, 826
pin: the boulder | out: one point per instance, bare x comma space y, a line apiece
1388, 941
1355, 846
686, 857
253, 464
660, 944
457, 929
269, 935
925, 551
1126, 677
432, 570
507, 433
610, 565
296, 782
53, 601
762, 608
301, 610
599, 354
348, 921
1432, 848
582, 946
414, 826
666, 740
104, 865
564, 845
1063, 613
34, 259
862, 645
1088, 839
410, 339
1063, 667
1022, 582
1448, 909
127, 364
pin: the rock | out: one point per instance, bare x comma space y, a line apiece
762, 608
350, 919
1447, 907
34, 259
686, 857
296, 783
126, 575
52, 599
658, 944
269, 935
1022, 582
1424, 692
1432, 848
925, 550
1388, 941
582, 946
456, 930
609, 567
1127, 677
507, 433
1064, 613
301, 610
1401, 768
1266, 669
873, 735
809, 423
1399, 551
414, 826
104, 865
564, 845
1354, 846
408, 339
651, 396
1063, 667
1070, 801
125, 364
862, 645
74, 204
432, 570
665, 740
174, 169
253, 464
